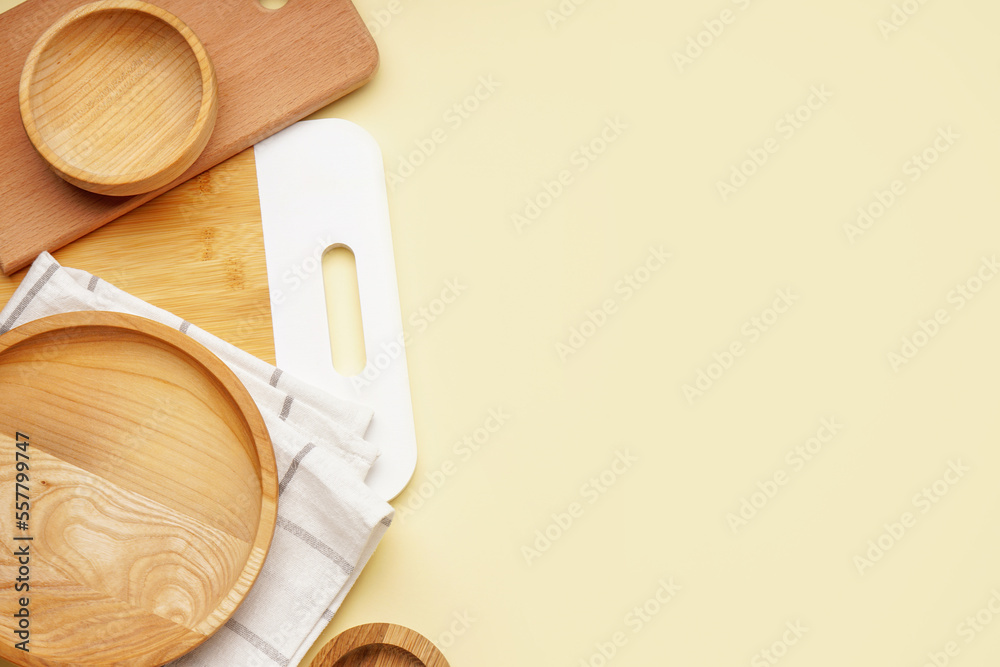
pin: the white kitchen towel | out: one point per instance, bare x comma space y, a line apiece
329, 521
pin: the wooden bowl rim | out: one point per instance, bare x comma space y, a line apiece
392, 635
237, 391
205, 121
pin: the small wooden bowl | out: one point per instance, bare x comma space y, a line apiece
119, 97
150, 486
379, 645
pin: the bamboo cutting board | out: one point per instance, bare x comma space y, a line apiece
196, 251
274, 67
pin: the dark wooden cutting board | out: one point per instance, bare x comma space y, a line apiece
274, 67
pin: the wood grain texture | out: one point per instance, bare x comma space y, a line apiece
379, 645
152, 486
119, 97
61, 627
274, 67
196, 251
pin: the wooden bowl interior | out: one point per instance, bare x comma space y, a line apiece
379, 654
146, 485
379, 645
97, 68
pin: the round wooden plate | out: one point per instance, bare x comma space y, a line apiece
379, 645
149, 487
119, 97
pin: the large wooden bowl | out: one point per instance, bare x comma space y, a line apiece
151, 490
119, 97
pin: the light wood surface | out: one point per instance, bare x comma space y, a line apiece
119, 97
151, 477
379, 645
274, 67
196, 251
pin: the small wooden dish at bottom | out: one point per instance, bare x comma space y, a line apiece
138, 492
379, 645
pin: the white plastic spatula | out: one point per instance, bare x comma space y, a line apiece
322, 184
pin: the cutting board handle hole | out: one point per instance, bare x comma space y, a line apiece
343, 310
272, 4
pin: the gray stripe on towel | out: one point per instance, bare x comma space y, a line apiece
257, 642
293, 468
287, 407
317, 544
32, 293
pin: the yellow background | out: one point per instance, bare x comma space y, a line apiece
495, 347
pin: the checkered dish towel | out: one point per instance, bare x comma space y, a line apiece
329, 521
